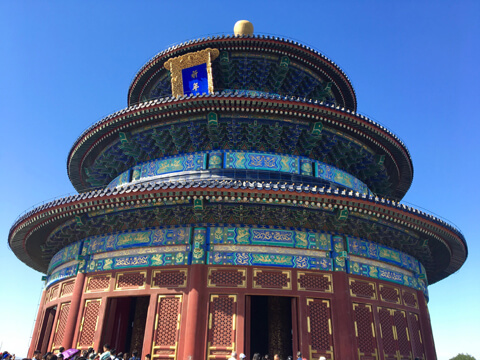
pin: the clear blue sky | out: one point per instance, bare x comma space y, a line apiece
414, 65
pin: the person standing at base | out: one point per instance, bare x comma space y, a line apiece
134, 355
106, 352
276, 357
234, 356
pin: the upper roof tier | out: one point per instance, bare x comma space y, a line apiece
253, 62
266, 95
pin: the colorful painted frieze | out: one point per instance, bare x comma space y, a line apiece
374, 251
136, 172
199, 246
62, 274
196, 161
340, 177
139, 238
219, 159
381, 273
266, 259
168, 258
261, 161
339, 254
215, 160
68, 253
123, 178
270, 237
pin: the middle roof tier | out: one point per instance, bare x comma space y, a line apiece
241, 122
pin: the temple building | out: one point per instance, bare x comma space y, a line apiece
239, 202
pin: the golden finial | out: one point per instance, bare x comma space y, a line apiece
243, 27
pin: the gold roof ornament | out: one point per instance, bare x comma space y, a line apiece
191, 74
243, 27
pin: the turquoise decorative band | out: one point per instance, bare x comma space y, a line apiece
238, 245
242, 160
261, 161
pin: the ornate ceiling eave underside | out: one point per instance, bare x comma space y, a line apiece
165, 111
319, 63
38, 235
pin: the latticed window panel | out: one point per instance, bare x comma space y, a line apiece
320, 331
410, 299
61, 325
227, 277
362, 289
271, 279
403, 338
98, 283
67, 288
387, 333
169, 278
389, 294
47, 296
365, 331
416, 335
89, 323
314, 282
54, 292
221, 330
131, 280
167, 326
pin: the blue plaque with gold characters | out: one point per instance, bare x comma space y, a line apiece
191, 74
195, 80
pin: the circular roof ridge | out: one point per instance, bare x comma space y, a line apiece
237, 184
173, 50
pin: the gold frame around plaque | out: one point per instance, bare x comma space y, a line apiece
177, 64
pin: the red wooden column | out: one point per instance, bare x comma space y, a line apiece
73, 313
240, 328
191, 318
427, 334
37, 325
150, 325
343, 330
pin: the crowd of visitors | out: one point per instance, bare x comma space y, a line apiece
257, 356
107, 353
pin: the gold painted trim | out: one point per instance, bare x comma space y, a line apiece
351, 280
329, 276
179, 317
234, 327
242, 270
90, 278
83, 320
155, 272
314, 354
58, 322
260, 249
177, 64
370, 308
140, 251
117, 276
381, 286
416, 299
53, 292
63, 288
287, 272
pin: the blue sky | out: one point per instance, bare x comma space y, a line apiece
413, 64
